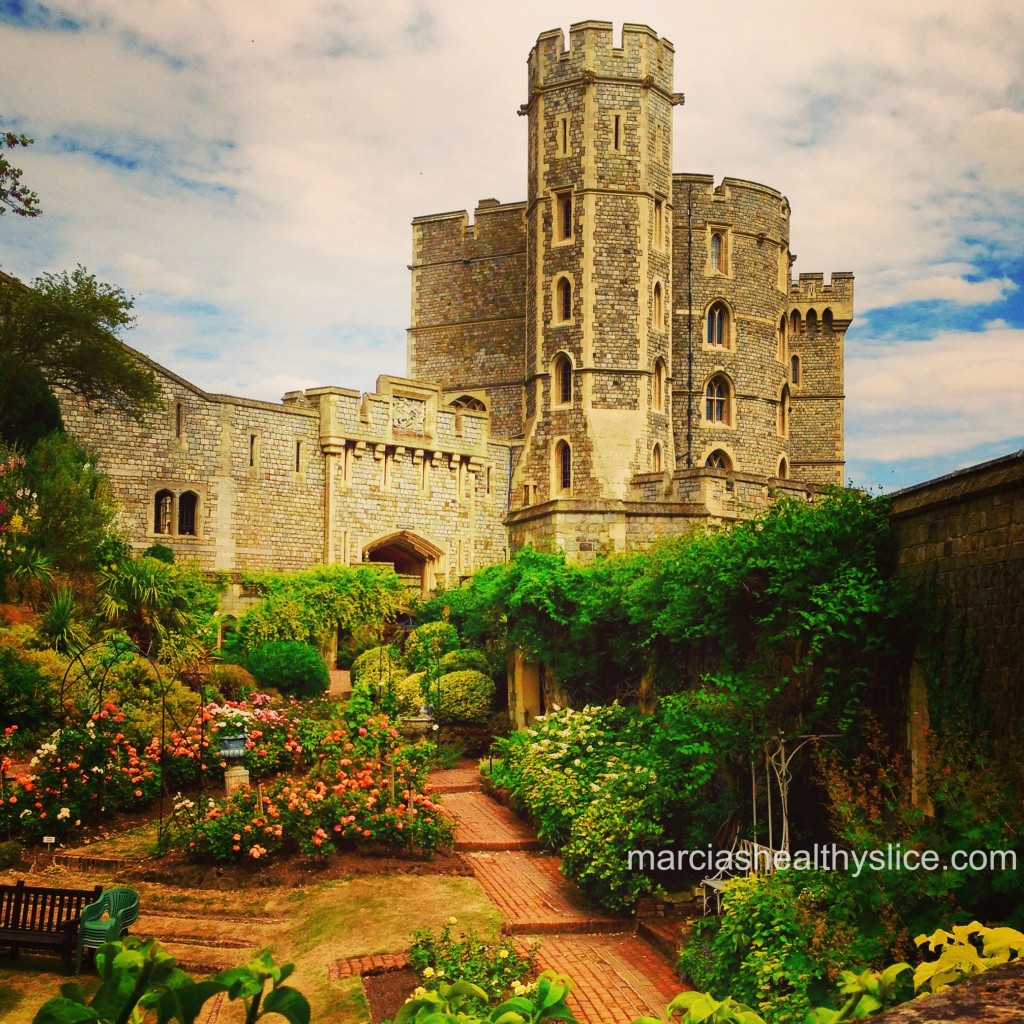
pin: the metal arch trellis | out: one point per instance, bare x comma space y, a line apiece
93, 674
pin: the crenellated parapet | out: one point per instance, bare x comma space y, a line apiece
591, 53
811, 293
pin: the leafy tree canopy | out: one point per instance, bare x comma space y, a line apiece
13, 195
66, 327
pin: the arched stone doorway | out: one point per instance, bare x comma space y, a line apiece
413, 557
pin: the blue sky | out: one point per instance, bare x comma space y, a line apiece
249, 173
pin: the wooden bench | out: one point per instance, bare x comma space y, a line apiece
34, 917
759, 860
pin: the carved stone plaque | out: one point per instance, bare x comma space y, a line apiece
408, 414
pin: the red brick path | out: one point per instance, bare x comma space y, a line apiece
616, 975
486, 825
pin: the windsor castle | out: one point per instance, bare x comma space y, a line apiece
622, 356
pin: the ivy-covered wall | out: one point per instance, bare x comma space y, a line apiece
961, 547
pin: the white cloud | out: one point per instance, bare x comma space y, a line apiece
917, 399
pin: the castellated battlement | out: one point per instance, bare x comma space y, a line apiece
591, 50
811, 292
496, 228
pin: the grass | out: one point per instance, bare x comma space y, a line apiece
311, 926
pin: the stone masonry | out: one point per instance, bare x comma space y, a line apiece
622, 357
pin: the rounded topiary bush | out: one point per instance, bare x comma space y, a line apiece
231, 681
465, 657
428, 643
376, 663
294, 668
464, 696
409, 694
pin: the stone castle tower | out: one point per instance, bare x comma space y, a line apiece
621, 357
635, 332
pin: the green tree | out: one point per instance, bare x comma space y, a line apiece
74, 510
13, 195
66, 327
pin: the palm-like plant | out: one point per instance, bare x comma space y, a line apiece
146, 600
59, 625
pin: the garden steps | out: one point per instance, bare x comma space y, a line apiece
621, 970
485, 825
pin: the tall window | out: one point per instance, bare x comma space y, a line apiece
719, 260
794, 369
783, 469
784, 412
658, 385
163, 512
618, 132
563, 467
716, 404
826, 319
179, 419
783, 323
562, 135
659, 224
563, 216
563, 301
253, 450
563, 381
658, 307
656, 459
187, 505
718, 325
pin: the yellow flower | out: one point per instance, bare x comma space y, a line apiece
17, 524
453, 920
428, 972
502, 954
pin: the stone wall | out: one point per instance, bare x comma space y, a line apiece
961, 547
327, 476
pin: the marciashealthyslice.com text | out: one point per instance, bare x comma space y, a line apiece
819, 858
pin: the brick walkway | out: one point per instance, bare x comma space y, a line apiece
617, 976
486, 825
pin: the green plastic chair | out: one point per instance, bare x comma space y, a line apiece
121, 907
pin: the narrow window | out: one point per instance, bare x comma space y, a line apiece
826, 319
163, 511
659, 224
425, 474
657, 307
563, 135
794, 369
812, 321
656, 459
563, 301
563, 203
179, 420
298, 456
386, 469
718, 252
252, 451
794, 324
782, 337
784, 412
563, 466
489, 482
187, 505
783, 469
563, 381
658, 154
716, 408
718, 460
658, 386
718, 325
617, 132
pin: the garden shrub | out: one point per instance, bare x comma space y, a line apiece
161, 552
28, 697
427, 644
10, 854
463, 658
783, 939
231, 681
293, 667
408, 694
494, 967
466, 696
376, 663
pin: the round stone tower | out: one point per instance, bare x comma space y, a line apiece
599, 264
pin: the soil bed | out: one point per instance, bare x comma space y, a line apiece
387, 991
